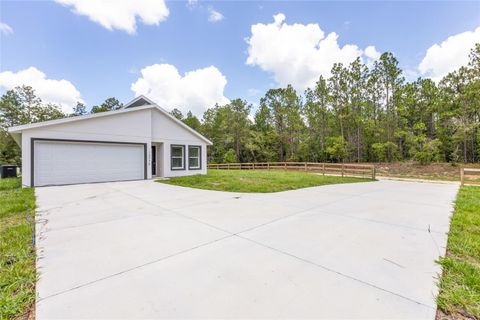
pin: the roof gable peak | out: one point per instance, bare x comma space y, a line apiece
139, 101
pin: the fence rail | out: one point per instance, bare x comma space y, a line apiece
343, 169
469, 176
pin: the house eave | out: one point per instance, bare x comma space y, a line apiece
17, 130
21, 128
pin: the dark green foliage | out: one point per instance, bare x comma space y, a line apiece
336, 148
356, 115
79, 110
192, 121
177, 114
230, 156
21, 106
229, 127
109, 104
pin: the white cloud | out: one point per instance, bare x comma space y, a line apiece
298, 54
5, 28
60, 92
214, 16
411, 74
192, 4
372, 53
449, 55
120, 14
252, 92
196, 90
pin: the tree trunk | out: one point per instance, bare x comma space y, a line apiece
237, 147
358, 143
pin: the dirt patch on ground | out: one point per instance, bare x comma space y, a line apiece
442, 316
29, 314
410, 169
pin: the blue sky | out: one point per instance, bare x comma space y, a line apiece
100, 63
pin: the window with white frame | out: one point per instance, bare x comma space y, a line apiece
177, 157
194, 157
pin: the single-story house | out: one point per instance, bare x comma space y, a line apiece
139, 141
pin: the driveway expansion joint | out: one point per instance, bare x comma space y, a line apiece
134, 268
238, 234
401, 297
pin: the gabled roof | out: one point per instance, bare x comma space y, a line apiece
141, 100
17, 130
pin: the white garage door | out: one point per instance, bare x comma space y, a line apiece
57, 163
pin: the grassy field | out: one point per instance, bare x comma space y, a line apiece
256, 181
17, 255
460, 283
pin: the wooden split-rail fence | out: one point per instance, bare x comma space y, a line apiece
470, 176
339, 169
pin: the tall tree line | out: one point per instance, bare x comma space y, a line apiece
359, 114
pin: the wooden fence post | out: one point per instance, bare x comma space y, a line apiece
323, 168
342, 169
462, 174
305, 167
373, 172
228, 166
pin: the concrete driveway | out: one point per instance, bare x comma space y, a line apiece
148, 250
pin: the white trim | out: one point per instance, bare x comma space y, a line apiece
198, 157
182, 157
19, 129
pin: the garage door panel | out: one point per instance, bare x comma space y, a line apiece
57, 163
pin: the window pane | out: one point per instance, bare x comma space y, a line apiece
193, 162
177, 162
177, 151
193, 151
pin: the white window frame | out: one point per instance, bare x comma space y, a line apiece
199, 157
177, 157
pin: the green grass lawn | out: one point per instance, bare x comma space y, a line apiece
460, 282
17, 255
256, 181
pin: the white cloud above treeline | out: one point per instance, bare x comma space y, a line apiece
5, 28
59, 92
298, 54
451, 54
214, 16
120, 14
196, 90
